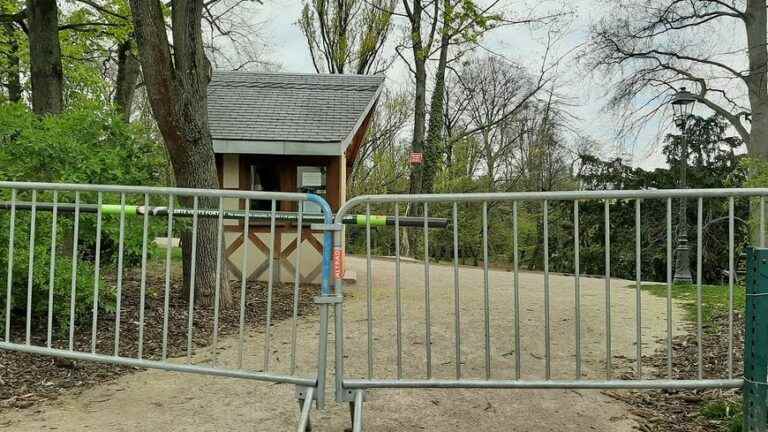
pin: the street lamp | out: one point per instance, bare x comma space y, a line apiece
682, 106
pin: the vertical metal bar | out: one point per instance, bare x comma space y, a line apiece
143, 287
192, 267
456, 298
547, 324
608, 350
52, 269
217, 291
270, 287
73, 285
638, 294
398, 298
119, 294
244, 281
762, 221
577, 285
486, 294
306, 409
699, 328
427, 304
731, 271
357, 423
369, 287
296, 286
167, 293
516, 290
669, 288
96, 276
31, 270
9, 273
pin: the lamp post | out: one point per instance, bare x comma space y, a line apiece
682, 107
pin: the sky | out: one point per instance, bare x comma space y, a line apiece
586, 92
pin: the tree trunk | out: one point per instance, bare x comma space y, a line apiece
419, 125
45, 57
12, 73
756, 25
177, 91
128, 70
436, 108
420, 99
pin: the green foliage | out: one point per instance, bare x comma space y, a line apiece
86, 145
728, 412
347, 36
712, 163
89, 146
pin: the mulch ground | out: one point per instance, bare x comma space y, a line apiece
26, 379
681, 411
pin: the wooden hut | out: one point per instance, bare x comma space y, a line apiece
288, 133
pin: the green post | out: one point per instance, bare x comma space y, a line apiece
756, 342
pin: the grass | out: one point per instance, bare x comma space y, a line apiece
727, 412
714, 302
714, 298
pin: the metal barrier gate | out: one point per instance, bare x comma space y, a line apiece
467, 320
74, 217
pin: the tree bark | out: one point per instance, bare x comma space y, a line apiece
420, 55
46, 71
177, 91
756, 25
436, 109
128, 70
12, 73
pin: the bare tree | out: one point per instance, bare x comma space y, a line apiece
177, 83
660, 45
383, 137
490, 91
347, 36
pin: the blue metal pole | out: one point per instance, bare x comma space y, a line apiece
327, 242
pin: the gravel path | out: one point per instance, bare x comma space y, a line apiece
159, 401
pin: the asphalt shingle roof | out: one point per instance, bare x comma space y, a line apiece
309, 108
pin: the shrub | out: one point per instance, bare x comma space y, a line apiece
84, 145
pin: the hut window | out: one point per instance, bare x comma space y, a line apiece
264, 179
311, 179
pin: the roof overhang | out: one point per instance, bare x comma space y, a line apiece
371, 105
278, 147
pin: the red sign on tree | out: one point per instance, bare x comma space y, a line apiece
417, 158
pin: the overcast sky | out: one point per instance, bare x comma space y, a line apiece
523, 44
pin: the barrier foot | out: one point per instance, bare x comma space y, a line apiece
356, 410
305, 406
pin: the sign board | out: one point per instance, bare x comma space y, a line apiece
312, 178
417, 158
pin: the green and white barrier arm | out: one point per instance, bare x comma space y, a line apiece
308, 218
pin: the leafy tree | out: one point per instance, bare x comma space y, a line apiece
347, 36
712, 163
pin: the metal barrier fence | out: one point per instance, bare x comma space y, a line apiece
476, 325
70, 229
481, 327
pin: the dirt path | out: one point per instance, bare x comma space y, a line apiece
159, 401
